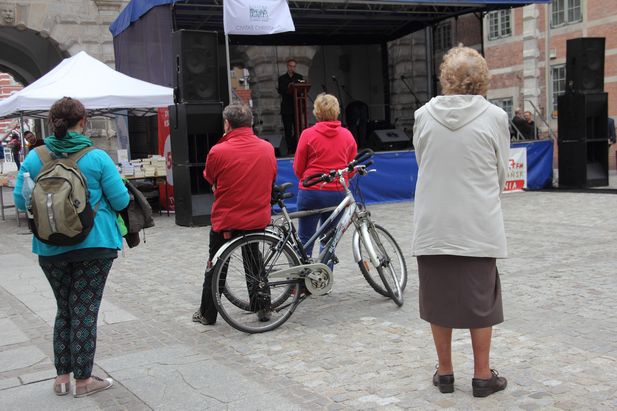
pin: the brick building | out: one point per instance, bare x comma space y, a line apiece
524, 75
8, 86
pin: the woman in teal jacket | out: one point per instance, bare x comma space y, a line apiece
77, 273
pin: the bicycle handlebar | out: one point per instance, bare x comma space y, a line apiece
361, 157
313, 179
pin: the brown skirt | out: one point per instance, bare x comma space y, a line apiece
459, 292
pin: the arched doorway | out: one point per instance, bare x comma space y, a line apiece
27, 55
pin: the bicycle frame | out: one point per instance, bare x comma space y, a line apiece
347, 209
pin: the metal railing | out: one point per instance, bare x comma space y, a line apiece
518, 135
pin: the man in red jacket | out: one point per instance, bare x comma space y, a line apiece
241, 168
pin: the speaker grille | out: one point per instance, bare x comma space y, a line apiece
585, 65
197, 66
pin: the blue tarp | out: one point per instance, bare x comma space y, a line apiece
397, 172
133, 11
137, 8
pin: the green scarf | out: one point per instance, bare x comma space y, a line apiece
71, 143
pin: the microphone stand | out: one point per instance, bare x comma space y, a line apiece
411, 91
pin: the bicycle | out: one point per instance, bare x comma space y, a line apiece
269, 273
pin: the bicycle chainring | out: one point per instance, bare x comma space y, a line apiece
319, 282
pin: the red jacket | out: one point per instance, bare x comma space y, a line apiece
241, 168
323, 147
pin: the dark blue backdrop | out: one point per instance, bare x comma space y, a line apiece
397, 171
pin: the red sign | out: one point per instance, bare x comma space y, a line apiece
165, 151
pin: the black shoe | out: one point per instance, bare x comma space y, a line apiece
484, 388
445, 383
264, 315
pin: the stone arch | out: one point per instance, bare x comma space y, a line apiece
27, 55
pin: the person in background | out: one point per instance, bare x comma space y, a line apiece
458, 223
518, 124
530, 131
15, 146
32, 140
77, 273
241, 168
323, 147
611, 131
288, 109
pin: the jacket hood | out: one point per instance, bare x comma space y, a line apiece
328, 128
455, 111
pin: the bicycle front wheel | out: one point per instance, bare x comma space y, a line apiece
244, 294
389, 278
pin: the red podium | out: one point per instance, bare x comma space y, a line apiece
300, 96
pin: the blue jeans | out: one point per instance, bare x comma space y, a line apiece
312, 200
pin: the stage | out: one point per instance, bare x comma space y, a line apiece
397, 171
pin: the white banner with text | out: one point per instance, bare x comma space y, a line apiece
256, 17
516, 180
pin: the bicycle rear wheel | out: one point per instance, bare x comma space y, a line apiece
243, 293
390, 277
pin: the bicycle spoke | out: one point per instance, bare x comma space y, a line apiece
247, 300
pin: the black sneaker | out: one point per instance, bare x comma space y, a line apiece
445, 383
264, 315
484, 388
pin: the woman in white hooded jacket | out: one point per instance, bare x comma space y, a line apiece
462, 148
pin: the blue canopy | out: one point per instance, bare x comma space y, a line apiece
320, 22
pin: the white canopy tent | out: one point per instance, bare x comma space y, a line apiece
101, 89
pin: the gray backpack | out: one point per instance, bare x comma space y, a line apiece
60, 208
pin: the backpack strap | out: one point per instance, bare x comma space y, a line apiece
79, 154
45, 154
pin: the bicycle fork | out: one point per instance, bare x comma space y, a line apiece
362, 234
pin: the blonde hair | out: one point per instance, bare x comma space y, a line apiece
326, 107
464, 71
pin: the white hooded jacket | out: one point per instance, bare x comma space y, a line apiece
462, 145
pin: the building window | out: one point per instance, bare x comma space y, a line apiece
442, 40
499, 24
566, 12
558, 81
506, 104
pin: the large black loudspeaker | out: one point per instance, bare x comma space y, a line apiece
389, 139
196, 66
582, 140
585, 65
195, 128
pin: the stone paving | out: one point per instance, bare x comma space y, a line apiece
352, 349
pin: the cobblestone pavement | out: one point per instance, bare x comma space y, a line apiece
351, 349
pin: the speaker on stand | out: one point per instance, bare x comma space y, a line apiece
196, 61
583, 116
195, 121
194, 128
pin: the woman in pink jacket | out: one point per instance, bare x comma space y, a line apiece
323, 147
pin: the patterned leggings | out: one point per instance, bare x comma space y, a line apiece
78, 288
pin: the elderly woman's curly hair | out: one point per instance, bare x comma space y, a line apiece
464, 71
326, 107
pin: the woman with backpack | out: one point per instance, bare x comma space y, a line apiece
76, 272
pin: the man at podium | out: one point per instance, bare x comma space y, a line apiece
288, 105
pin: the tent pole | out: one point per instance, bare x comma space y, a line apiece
228, 68
21, 134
